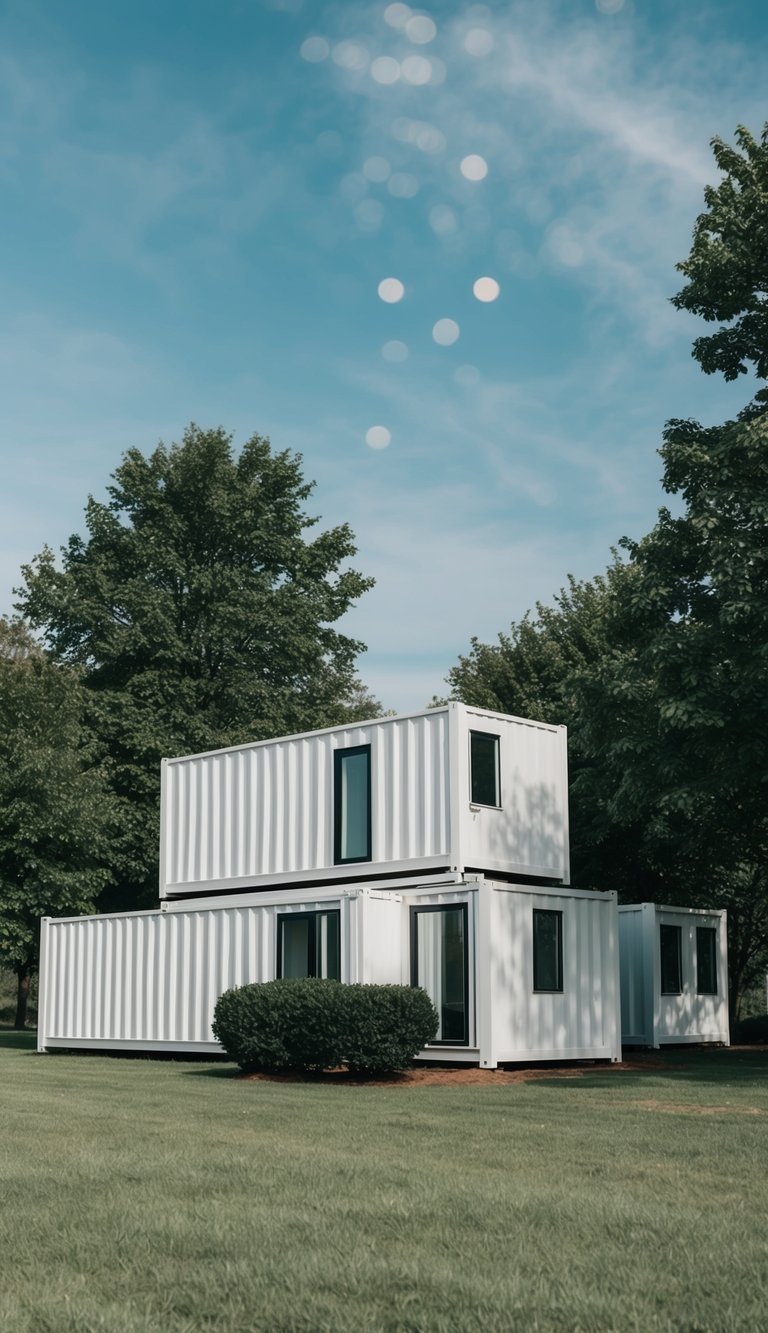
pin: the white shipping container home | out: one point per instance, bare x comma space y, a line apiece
449, 790
674, 975
517, 972
429, 850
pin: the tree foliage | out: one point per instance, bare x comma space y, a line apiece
55, 814
660, 669
201, 612
727, 269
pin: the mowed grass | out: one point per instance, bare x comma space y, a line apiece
146, 1195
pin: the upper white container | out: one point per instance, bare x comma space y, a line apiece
451, 788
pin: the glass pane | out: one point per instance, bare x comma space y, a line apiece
354, 807
706, 960
484, 754
547, 950
670, 940
441, 968
295, 961
328, 945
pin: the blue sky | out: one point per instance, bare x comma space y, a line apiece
201, 200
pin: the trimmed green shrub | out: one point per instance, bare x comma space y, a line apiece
309, 1024
385, 1026
286, 1024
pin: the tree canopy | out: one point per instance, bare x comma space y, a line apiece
660, 668
201, 609
56, 813
727, 269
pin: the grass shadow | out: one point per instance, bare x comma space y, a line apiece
14, 1039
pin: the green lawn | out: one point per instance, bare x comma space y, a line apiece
141, 1195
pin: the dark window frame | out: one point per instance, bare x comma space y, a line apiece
665, 990
711, 933
417, 911
313, 915
338, 762
558, 913
488, 736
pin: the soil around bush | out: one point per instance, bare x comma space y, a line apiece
430, 1075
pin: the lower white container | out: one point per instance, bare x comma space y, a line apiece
517, 972
674, 975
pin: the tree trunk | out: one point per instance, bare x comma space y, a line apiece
22, 996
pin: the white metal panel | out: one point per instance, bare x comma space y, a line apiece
149, 978
690, 1016
528, 834
653, 1019
265, 811
381, 917
581, 1022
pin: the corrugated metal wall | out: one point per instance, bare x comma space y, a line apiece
267, 809
528, 835
154, 977
583, 1020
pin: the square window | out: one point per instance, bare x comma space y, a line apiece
547, 950
671, 951
308, 945
485, 784
706, 960
352, 805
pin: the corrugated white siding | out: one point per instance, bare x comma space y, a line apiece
266, 810
528, 835
154, 977
647, 1016
151, 980
582, 1021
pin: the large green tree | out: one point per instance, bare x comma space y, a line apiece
660, 669
544, 667
201, 609
55, 813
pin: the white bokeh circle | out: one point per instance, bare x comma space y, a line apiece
485, 289
378, 437
395, 351
473, 167
479, 42
315, 49
446, 332
350, 55
420, 29
391, 290
385, 69
416, 70
397, 15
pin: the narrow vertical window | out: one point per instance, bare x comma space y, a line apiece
484, 768
308, 945
706, 960
671, 956
440, 965
547, 950
352, 805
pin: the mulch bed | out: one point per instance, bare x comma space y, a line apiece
433, 1075
457, 1075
